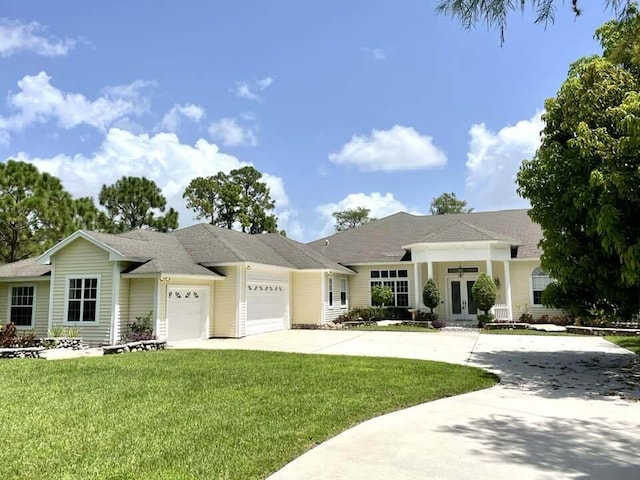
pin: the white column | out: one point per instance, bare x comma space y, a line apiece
429, 269
489, 269
418, 285
507, 288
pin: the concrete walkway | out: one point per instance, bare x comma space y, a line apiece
566, 408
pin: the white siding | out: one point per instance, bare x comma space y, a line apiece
225, 304
41, 317
82, 258
332, 312
521, 290
306, 298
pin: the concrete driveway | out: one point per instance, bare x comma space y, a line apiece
566, 408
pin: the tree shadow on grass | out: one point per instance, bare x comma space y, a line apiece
565, 373
567, 448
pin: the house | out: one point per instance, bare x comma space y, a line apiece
203, 281
402, 251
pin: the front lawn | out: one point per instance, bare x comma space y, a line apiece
198, 414
630, 343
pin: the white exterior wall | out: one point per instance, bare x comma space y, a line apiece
331, 313
83, 259
41, 316
306, 298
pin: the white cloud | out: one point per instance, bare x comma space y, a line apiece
39, 102
161, 158
232, 133
251, 90
376, 53
379, 205
399, 148
493, 161
172, 119
18, 37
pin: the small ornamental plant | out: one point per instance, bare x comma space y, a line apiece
431, 298
484, 293
381, 295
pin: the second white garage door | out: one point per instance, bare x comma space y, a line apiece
267, 301
187, 308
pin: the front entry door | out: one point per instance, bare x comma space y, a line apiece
461, 303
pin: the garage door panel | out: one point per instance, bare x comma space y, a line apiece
267, 301
186, 312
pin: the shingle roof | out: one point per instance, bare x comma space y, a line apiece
185, 251
164, 253
25, 268
210, 244
300, 255
383, 239
465, 232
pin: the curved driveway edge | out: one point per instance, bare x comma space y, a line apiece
566, 408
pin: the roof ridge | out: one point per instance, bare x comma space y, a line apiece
262, 235
301, 247
211, 230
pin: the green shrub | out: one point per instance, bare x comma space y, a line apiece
484, 292
142, 328
381, 295
431, 294
484, 319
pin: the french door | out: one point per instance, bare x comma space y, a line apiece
461, 303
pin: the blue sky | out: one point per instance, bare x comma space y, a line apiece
340, 104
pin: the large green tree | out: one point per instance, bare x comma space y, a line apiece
255, 201
494, 13
584, 181
134, 202
215, 198
238, 198
447, 204
35, 211
352, 218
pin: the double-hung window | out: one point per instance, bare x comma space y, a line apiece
22, 306
343, 292
397, 281
330, 291
539, 281
82, 303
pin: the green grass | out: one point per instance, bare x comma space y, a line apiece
630, 343
395, 328
198, 414
526, 331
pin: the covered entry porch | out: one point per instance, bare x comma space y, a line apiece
455, 267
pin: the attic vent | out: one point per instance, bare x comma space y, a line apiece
514, 251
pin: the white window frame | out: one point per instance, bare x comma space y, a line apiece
66, 299
381, 280
343, 289
33, 306
536, 274
330, 292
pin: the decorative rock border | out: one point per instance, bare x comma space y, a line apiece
602, 331
21, 352
142, 346
72, 343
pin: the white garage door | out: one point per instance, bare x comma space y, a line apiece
267, 301
186, 312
